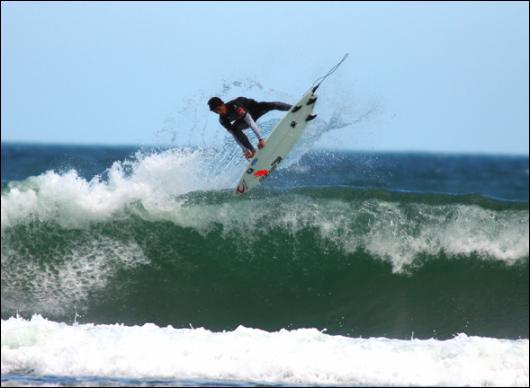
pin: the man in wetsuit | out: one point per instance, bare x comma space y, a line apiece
241, 113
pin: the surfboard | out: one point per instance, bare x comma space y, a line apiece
282, 139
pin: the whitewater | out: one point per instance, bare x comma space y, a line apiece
303, 356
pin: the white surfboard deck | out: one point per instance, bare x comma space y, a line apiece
282, 139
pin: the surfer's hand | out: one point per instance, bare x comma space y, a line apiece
249, 154
261, 143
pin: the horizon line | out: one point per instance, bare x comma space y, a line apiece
410, 151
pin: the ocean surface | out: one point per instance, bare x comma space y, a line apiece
137, 266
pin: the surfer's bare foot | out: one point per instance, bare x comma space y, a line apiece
261, 143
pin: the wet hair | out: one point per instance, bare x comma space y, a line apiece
214, 102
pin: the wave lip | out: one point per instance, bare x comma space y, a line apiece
72, 200
303, 356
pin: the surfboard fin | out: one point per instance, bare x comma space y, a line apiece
310, 117
311, 100
296, 108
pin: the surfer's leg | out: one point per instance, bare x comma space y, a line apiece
264, 107
278, 105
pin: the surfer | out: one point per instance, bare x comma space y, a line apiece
241, 113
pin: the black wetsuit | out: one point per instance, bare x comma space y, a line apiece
235, 120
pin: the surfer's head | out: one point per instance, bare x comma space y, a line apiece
217, 105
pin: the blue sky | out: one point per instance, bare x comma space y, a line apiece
445, 76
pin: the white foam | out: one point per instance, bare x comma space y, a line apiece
70, 200
304, 356
456, 230
63, 283
394, 232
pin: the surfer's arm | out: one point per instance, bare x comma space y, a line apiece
238, 142
242, 139
237, 133
226, 123
252, 124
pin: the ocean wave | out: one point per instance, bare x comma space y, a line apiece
335, 254
150, 241
304, 356
394, 227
